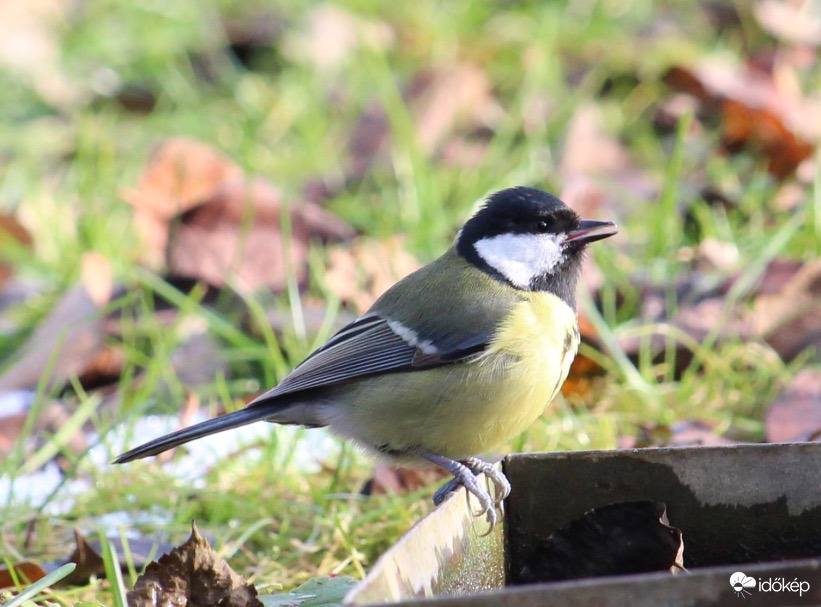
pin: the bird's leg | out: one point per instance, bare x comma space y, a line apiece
465, 477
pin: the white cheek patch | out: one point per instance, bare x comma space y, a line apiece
522, 257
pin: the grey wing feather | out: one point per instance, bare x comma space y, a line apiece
367, 346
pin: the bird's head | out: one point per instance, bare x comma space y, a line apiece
530, 239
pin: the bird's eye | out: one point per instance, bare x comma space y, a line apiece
542, 225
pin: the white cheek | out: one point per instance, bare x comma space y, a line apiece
521, 257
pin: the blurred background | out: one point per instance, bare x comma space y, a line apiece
195, 194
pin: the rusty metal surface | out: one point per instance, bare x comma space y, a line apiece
445, 553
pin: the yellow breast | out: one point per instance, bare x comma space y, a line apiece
533, 349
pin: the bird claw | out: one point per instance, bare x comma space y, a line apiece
494, 475
467, 477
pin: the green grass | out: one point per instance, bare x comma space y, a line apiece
62, 166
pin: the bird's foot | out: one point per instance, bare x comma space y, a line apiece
501, 486
465, 475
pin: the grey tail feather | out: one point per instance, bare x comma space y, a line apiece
235, 419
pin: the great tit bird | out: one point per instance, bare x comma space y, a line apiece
452, 361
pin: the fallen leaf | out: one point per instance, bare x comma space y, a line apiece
180, 175
25, 572
192, 574
87, 556
361, 272
88, 560
228, 228
104, 368
796, 413
790, 320
752, 126
235, 237
759, 109
695, 317
582, 377
63, 345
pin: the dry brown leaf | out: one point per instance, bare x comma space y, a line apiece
744, 125
762, 109
104, 368
87, 556
180, 175
25, 572
64, 343
88, 560
581, 378
796, 413
235, 236
229, 226
790, 319
192, 574
361, 272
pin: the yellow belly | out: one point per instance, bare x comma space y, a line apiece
467, 409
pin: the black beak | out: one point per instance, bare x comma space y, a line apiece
590, 231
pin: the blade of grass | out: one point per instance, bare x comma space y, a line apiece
41, 584
608, 339
113, 573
